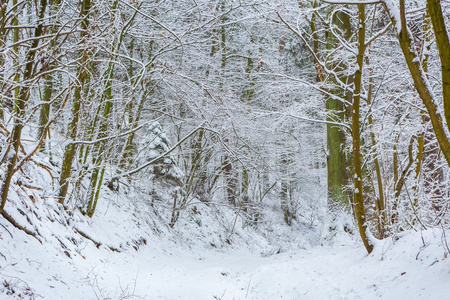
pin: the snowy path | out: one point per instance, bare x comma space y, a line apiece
344, 272
414, 267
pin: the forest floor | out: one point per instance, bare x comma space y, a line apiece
193, 264
127, 251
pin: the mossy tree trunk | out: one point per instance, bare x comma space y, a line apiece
20, 105
418, 75
72, 128
44, 114
380, 200
3, 39
101, 152
337, 159
441, 35
358, 199
135, 116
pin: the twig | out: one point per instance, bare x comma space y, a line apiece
445, 239
7, 230
136, 170
46, 168
18, 226
248, 287
97, 244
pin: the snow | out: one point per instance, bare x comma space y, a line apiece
394, 13
127, 251
196, 262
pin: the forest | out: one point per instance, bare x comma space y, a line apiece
311, 116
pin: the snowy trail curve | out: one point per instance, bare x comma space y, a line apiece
342, 272
413, 267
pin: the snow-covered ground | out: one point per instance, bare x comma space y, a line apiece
125, 252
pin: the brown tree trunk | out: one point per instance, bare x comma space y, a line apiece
358, 198
420, 80
21, 101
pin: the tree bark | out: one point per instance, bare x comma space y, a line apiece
358, 199
440, 32
420, 80
337, 161
69, 152
21, 101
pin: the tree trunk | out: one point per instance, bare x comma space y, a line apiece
440, 32
337, 161
420, 79
44, 115
230, 182
21, 101
72, 128
358, 199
